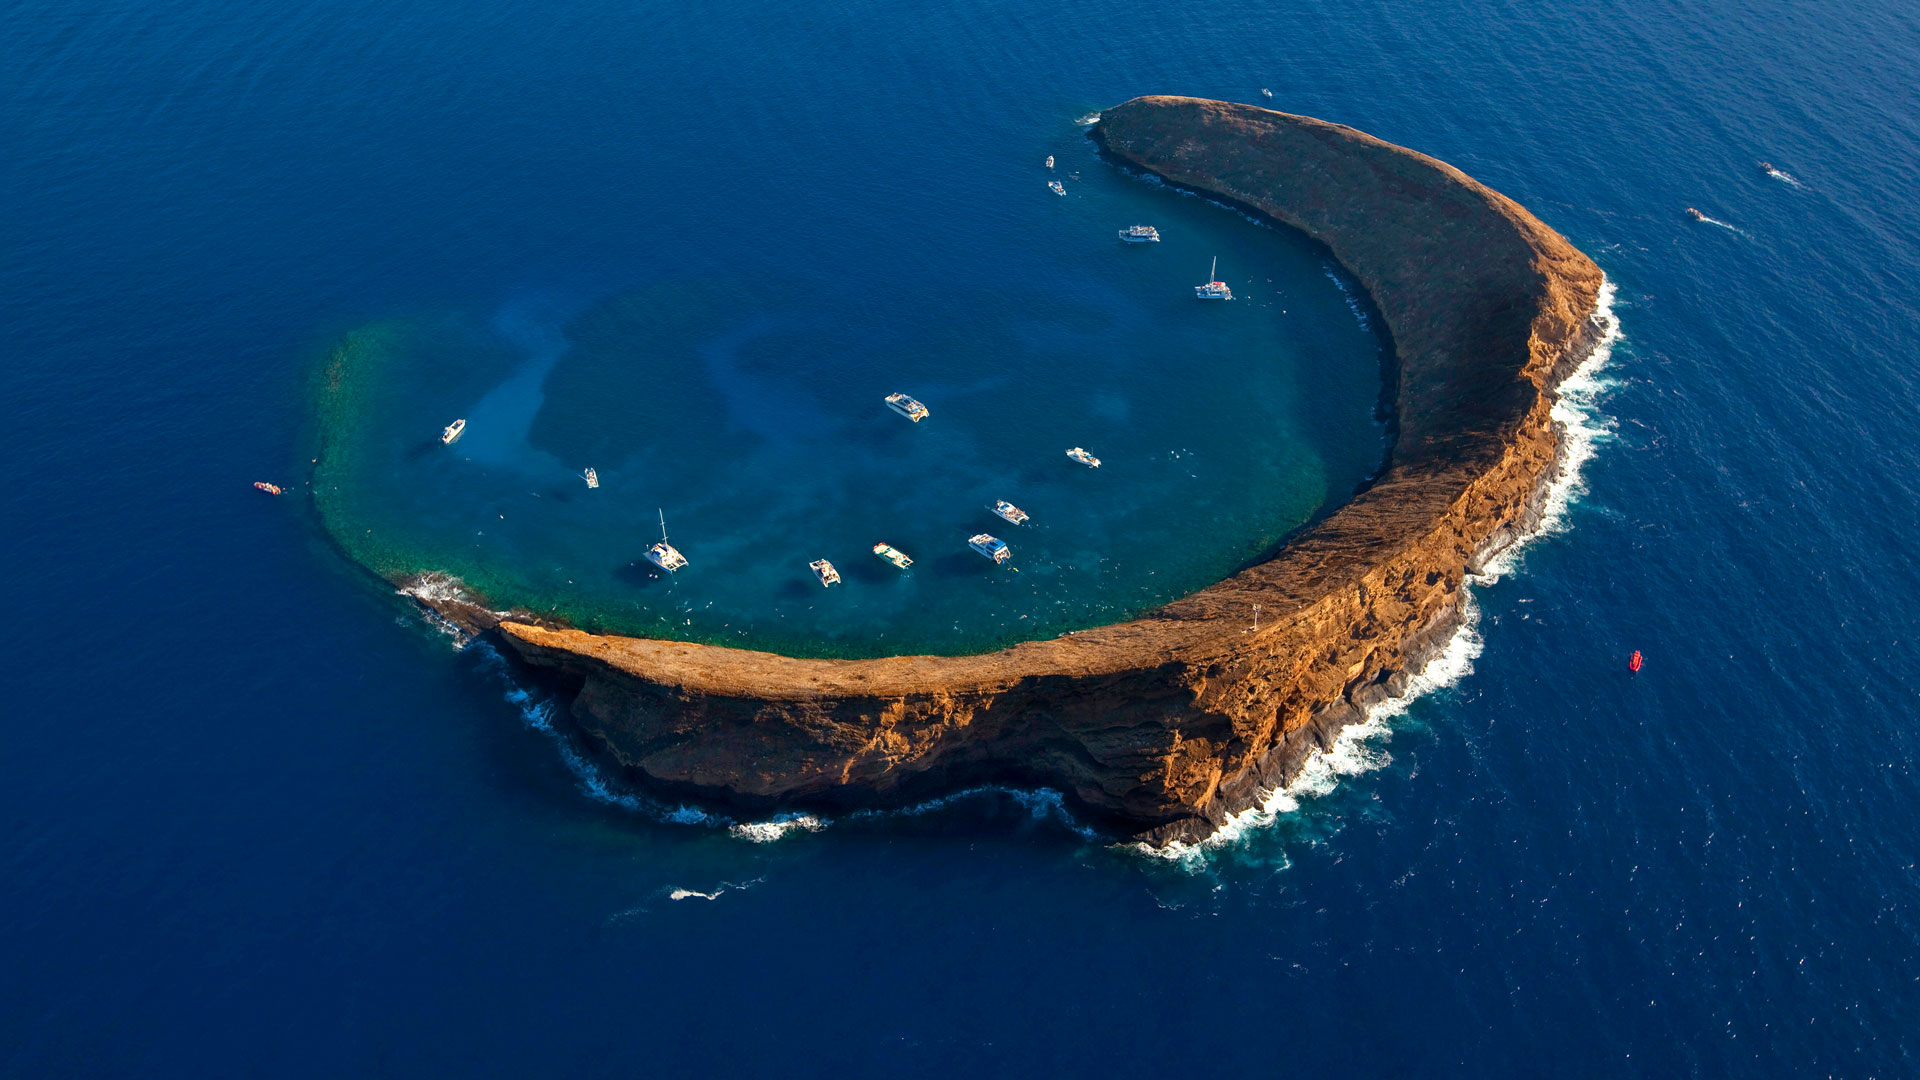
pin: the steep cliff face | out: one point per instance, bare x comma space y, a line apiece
1162, 726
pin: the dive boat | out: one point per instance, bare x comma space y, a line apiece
1084, 458
824, 570
1058, 188
592, 478
991, 546
1008, 512
1049, 161
452, 432
1140, 234
665, 555
892, 554
271, 489
1215, 289
907, 407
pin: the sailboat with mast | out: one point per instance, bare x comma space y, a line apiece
1214, 289
665, 555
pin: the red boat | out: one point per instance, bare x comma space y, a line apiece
1633, 664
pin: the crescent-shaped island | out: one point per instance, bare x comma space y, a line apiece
1162, 727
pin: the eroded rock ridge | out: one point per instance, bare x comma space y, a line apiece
1162, 726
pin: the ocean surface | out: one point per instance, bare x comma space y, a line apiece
259, 818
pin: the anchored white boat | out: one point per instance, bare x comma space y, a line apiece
452, 431
824, 570
1084, 458
665, 555
991, 546
1012, 514
892, 554
907, 407
1057, 186
1215, 289
1049, 161
592, 478
1140, 234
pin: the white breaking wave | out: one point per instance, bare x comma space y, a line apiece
766, 832
1357, 748
1089, 119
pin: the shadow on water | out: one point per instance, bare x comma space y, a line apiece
421, 450
961, 564
640, 574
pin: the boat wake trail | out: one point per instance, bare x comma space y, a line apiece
1705, 220
1782, 175
1359, 747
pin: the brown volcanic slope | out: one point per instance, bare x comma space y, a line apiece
1163, 725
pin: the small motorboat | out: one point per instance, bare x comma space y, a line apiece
1057, 186
592, 478
991, 546
1695, 214
1767, 167
1084, 458
824, 570
665, 555
1049, 161
1140, 234
892, 554
1008, 512
271, 489
453, 431
1633, 662
1264, 92
1215, 289
907, 407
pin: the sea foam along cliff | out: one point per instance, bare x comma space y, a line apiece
1162, 727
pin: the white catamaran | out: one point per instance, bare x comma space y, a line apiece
991, 546
1215, 289
665, 555
1008, 512
907, 407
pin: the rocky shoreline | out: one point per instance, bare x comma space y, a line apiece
1162, 727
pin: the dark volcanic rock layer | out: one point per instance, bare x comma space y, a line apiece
1162, 726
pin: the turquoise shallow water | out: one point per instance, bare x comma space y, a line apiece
256, 818
749, 409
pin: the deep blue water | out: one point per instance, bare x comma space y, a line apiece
257, 819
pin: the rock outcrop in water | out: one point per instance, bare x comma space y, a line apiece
1164, 725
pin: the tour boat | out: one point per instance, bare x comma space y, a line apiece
1215, 289
991, 546
1011, 513
592, 478
665, 555
453, 431
824, 570
907, 407
271, 489
1058, 188
892, 554
1140, 234
1049, 161
1084, 458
